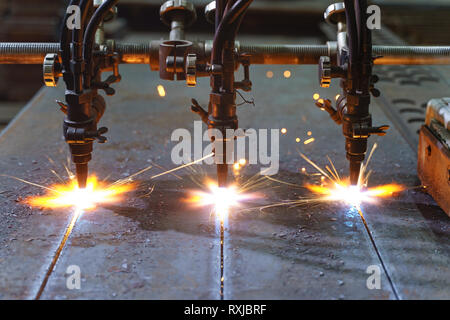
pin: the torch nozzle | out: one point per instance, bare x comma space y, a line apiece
82, 174
355, 168
222, 174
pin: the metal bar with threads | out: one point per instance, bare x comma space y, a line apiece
147, 53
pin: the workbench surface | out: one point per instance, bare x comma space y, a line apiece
156, 247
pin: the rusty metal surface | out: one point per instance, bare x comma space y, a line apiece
155, 247
434, 167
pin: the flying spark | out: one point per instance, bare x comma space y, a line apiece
69, 195
222, 200
95, 193
334, 188
354, 195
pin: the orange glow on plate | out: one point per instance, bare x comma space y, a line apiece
354, 195
69, 195
221, 199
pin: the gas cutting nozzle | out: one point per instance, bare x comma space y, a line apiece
82, 174
222, 175
355, 169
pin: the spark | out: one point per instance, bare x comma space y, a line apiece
309, 141
354, 194
222, 200
96, 192
242, 162
309, 133
334, 188
269, 74
283, 130
316, 96
297, 140
69, 195
287, 74
161, 91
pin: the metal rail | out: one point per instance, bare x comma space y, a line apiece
148, 53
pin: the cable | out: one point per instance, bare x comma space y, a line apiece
89, 36
65, 48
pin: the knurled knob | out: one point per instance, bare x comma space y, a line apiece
51, 70
324, 71
176, 8
335, 13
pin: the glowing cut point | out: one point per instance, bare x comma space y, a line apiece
221, 199
316, 96
70, 195
354, 195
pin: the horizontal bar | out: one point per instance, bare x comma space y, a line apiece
147, 53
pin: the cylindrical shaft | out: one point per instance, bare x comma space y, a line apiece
34, 53
177, 29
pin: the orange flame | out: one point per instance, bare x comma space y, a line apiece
69, 195
354, 195
222, 199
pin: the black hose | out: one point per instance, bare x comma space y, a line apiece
220, 6
89, 36
360, 24
366, 48
77, 43
224, 31
65, 48
352, 33
237, 9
